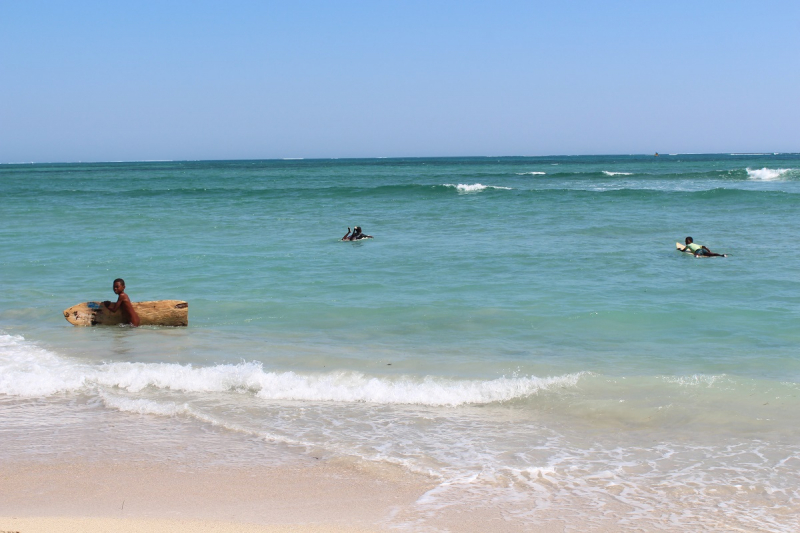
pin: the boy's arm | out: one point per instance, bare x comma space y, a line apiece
113, 307
127, 308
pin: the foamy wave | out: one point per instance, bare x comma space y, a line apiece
356, 387
134, 377
150, 407
767, 174
609, 173
339, 386
695, 380
531, 173
476, 187
30, 371
145, 407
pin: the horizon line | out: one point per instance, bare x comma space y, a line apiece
390, 157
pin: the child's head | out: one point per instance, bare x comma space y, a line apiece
689, 240
119, 286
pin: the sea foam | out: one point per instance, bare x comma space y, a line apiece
610, 173
30, 371
475, 187
767, 174
433, 391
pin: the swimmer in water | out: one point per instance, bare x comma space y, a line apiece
699, 250
355, 235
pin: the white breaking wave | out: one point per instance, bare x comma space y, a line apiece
609, 173
695, 380
150, 407
531, 173
476, 187
29, 371
356, 387
145, 407
767, 174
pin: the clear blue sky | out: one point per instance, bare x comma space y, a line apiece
103, 81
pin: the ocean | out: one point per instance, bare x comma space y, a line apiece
521, 330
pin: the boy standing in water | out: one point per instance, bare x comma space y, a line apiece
128, 313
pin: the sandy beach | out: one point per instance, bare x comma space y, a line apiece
144, 473
129, 497
160, 474
118, 497
129, 525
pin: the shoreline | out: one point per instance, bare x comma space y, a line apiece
77, 465
83, 464
86, 468
321, 497
132, 496
131, 525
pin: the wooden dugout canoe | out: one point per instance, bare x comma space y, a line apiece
157, 313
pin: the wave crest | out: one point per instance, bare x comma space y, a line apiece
475, 187
767, 174
434, 391
29, 371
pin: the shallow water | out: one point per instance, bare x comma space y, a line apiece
520, 329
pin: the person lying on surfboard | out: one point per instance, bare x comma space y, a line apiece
699, 250
356, 235
128, 313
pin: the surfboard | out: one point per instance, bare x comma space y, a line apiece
157, 313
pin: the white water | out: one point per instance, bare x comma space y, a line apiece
475, 187
767, 174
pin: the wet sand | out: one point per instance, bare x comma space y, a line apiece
75, 466
129, 525
78, 466
137, 497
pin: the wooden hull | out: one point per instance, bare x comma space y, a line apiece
158, 313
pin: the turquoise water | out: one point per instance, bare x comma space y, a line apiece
512, 317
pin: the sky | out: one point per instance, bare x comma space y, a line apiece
173, 80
